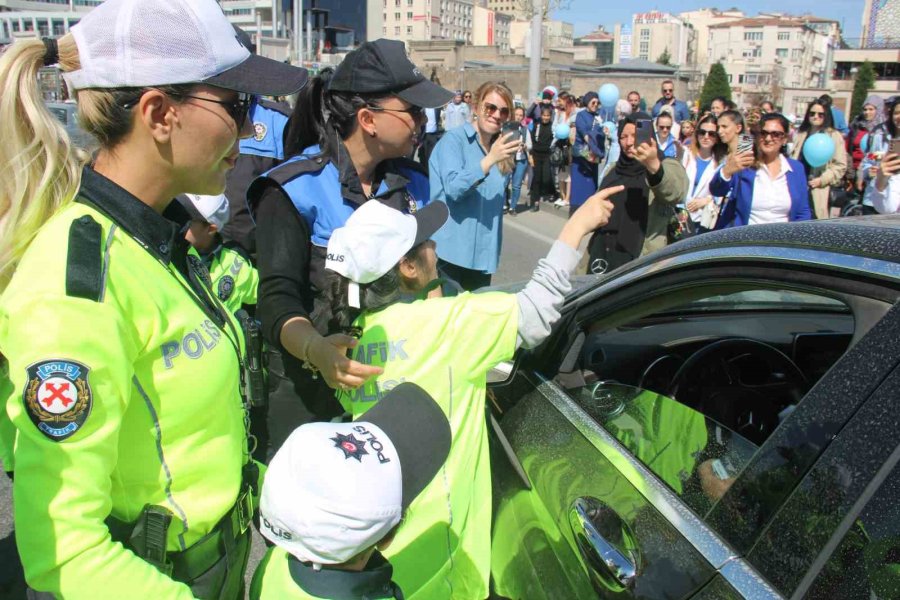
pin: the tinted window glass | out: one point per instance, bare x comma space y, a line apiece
866, 564
59, 113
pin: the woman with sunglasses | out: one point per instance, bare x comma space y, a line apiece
588, 150
468, 170
819, 119
765, 186
348, 137
467, 98
700, 161
132, 469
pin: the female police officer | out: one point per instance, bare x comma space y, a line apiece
127, 370
348, 134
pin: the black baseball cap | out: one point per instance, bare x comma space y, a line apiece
382, 67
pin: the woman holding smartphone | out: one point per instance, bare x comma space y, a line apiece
765, 186
468, 170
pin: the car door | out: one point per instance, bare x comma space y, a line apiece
598, 487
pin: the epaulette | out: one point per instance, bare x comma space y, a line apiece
280, 107
84, 263
287, 171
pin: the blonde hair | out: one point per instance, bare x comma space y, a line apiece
40, 169
507, 165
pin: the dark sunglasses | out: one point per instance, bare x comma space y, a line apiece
467, 95
668, 89
490, 109
816, 113
706, 133
416, 112
236, 109
664, 127
775, 135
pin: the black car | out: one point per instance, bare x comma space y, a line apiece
717, 420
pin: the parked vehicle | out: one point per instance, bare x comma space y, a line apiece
716, 420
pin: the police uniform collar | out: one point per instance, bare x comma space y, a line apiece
372, 582
162, 235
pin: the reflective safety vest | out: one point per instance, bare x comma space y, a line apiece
234, 280
447, 346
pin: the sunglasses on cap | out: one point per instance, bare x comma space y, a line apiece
236, 109
490, 109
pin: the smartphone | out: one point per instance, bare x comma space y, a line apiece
895, 146
643, 131
745, 143
511, 127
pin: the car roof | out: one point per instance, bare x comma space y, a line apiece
875, 236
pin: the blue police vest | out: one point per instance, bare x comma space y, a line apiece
268, 122
316, 193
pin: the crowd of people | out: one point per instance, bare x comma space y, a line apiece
222, 252
569, 144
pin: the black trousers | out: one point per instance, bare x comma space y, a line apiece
429, 141
468, 279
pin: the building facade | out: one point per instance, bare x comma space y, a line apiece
601, 44
655, 33
701, 20
491, 29
881, 24
764, 55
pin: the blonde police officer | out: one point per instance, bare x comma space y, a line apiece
234, 279
130, 428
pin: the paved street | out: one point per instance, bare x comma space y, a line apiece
526, 239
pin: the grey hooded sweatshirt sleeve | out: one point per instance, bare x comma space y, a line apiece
540, 301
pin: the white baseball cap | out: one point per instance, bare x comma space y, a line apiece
211, 209
376, 236
142, 43
335, 489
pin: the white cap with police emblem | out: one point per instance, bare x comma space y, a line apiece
335, 489
211, 209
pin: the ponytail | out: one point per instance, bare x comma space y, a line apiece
323, 117
40, 168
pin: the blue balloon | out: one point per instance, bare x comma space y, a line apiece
609, 95
818, 149
561, 131
610, 126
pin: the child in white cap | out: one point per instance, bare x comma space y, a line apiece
447, 346
234, 280
335, 492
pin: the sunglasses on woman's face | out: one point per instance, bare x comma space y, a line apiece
775, 135
467, 97
490, 109
707, 133
816, 113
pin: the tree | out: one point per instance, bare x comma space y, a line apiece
665, 58
865, 81
716, 85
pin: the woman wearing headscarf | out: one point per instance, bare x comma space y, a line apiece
641, 211
587, 151
858, 144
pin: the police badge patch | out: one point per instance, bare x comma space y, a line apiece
58, 397
259, 131
225, 288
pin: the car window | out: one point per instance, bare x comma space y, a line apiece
866, 564
693, 455
766, 299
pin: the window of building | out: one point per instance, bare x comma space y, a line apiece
396, 30
409, 30
752, 53
781, 52
740, 79
385, 4
783, 36
59, 27
645, 47
409, 16
384, 31
729, 78
751, 36
409, 2
384, 16
796, 53
645, 34
15, 25
397, 16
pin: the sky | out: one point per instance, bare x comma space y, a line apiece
587, 14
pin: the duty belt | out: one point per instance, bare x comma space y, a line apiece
147, 536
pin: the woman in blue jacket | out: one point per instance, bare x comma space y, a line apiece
587, 151
765, 186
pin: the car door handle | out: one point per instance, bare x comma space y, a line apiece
606, 543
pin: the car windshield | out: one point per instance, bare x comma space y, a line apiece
696, 457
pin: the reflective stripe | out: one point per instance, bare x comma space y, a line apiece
162, 460
447, 488
109, 239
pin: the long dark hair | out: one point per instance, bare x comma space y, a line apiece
827, 122
321, 116
889, 122
719, 150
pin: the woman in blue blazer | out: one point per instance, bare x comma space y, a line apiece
765, 186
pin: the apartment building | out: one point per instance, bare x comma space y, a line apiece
491, 28
763, 54
556, 34
701, 20
422, 20
656, 33
521, 10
